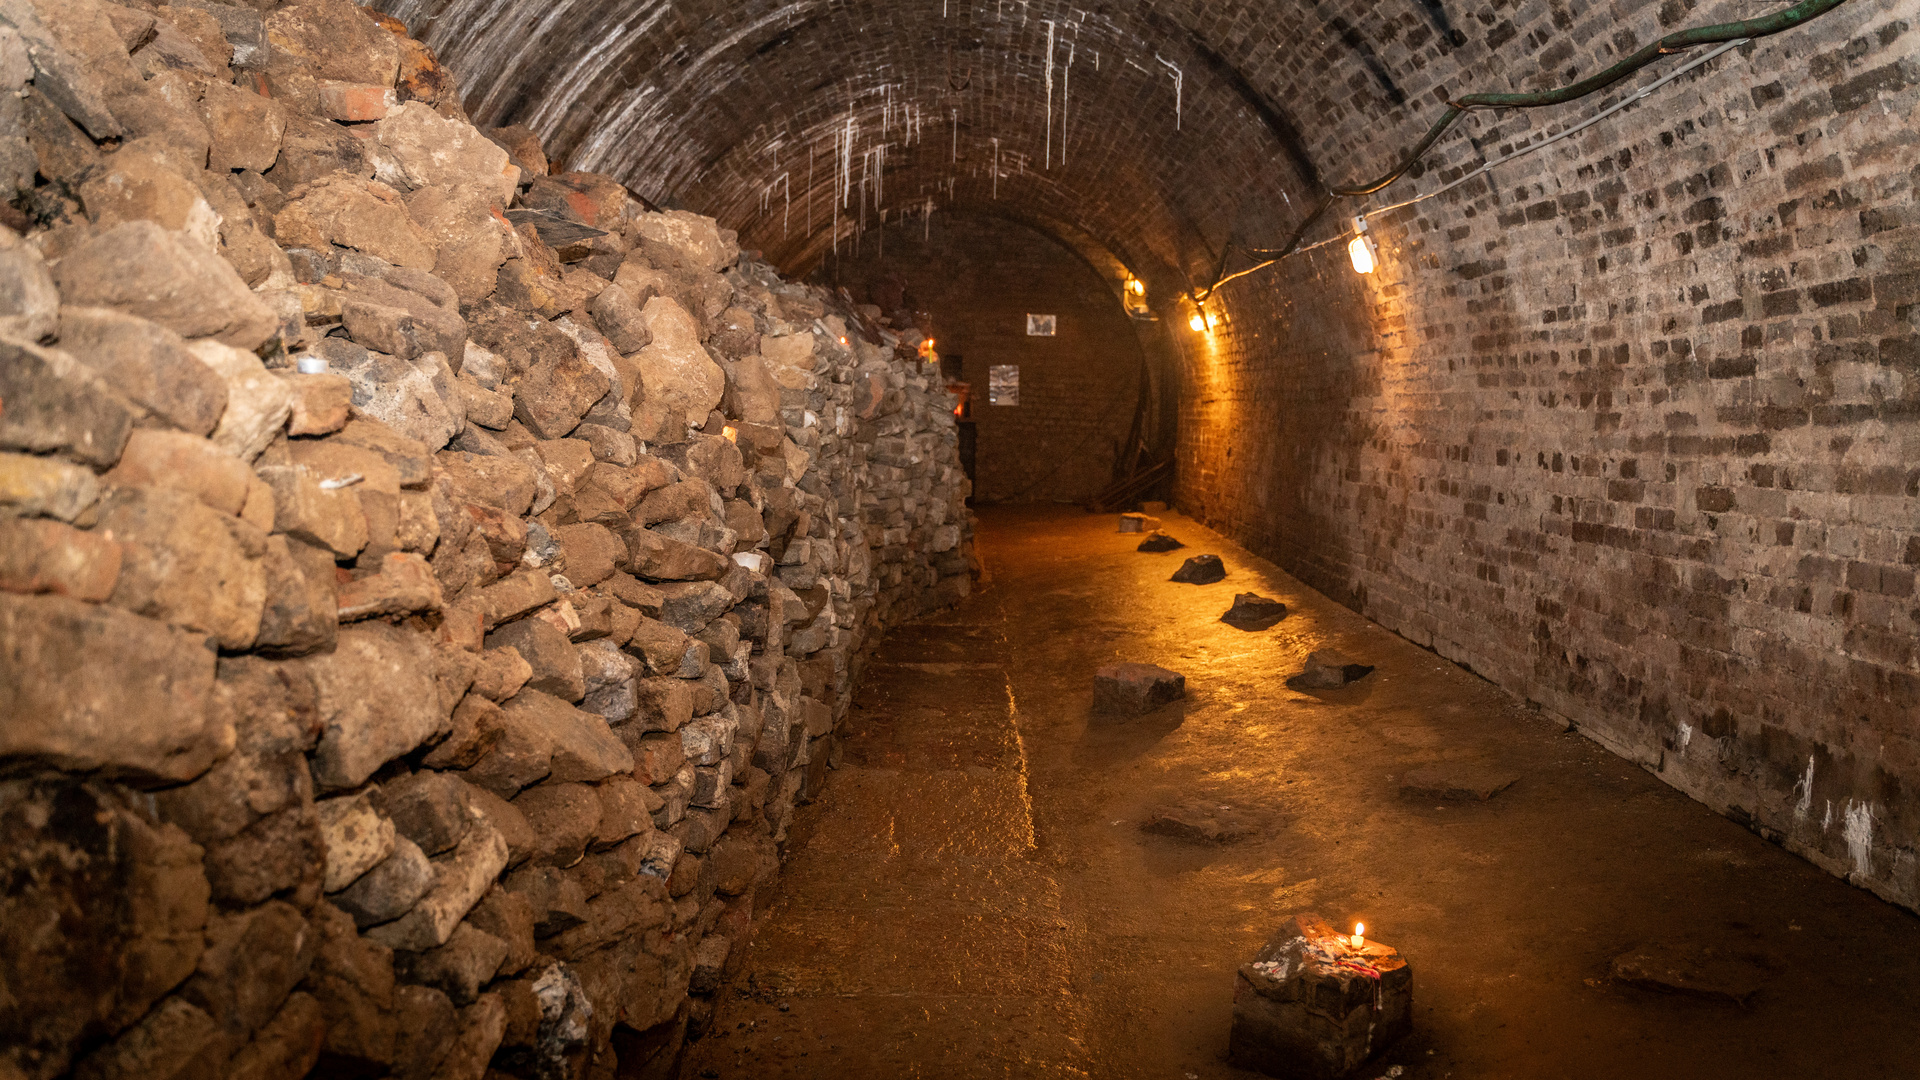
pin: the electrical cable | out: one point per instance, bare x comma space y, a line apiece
1728, 35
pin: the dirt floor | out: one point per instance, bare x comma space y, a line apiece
973, 895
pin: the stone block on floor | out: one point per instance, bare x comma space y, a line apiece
1692, 971
1201, 823
1133, 689
1311, 1007
1251, 611
1138, 523
1158, 541
1456, 780
1328, 669
1201, 570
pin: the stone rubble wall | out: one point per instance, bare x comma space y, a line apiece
427, 583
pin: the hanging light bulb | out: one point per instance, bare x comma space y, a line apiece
1198, 323
1133, 297
1360, 249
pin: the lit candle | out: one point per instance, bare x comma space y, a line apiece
1359, 935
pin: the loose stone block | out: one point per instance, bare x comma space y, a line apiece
1251, 611
1456, 780
1201, 823
1311, 1007
1691, 971
1133, 689
1200, 570
1328, 669
1159, 541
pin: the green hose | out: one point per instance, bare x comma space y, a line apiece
1784, 19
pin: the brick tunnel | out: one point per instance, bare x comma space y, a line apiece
591, 538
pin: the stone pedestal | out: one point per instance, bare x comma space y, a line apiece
1311, 1007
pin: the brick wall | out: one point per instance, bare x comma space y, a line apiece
976, 280
1632, 432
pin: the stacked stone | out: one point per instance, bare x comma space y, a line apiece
427, 582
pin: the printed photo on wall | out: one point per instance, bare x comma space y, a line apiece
1039, 326
1003, 384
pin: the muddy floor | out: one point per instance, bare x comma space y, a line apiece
973, 894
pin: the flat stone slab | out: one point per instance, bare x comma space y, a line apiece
1691, 970
1159, 541
1133, 689
1251, 611
1201, 570
1138, 523
1457, 780
1328, 669
1311, 1007
1201, 823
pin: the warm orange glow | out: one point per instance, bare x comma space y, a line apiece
1360, 250
1136, 287
732, 434
1359, 935
1198, 324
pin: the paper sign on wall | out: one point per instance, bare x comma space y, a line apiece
1040, 325
1003, 384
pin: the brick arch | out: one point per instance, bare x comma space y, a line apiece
1178, 122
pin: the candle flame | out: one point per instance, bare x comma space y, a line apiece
1359, 935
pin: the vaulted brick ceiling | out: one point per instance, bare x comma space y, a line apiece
1156, 130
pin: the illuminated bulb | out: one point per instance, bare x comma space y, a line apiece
1360, 250
1198, 323
1136, 287
1359, 935
1212, 320
732, 434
